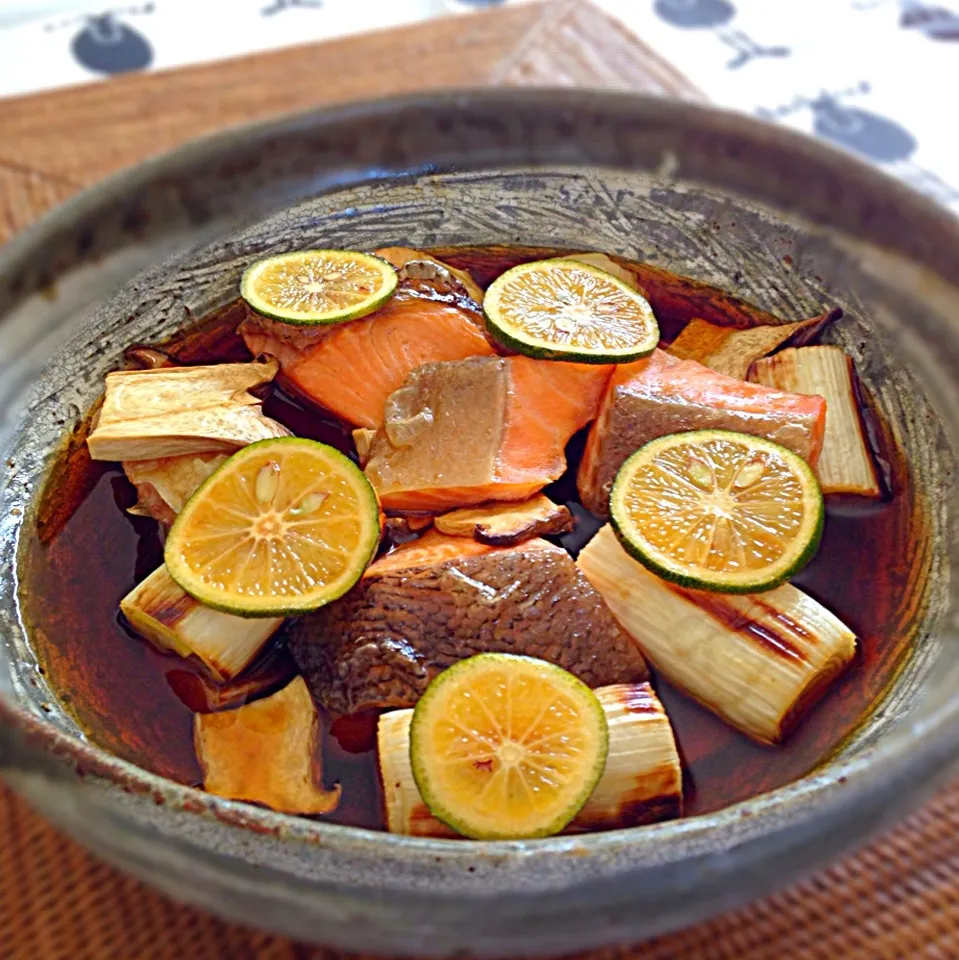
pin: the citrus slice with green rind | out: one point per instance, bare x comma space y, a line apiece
718, 510
283, 526
317, 287
506, 747
567, 310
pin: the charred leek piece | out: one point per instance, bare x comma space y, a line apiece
165, 485
758, 660
266, 752
169, 412
642, 782
160, 611
506, 524
845, 464
731, 351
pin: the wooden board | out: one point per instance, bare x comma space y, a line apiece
54, 143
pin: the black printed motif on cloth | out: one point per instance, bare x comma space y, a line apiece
874, 137
936, 22
715, 15
278, 6
107, 45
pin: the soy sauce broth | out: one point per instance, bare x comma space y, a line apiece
85, 552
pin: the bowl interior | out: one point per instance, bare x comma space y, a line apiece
788, 268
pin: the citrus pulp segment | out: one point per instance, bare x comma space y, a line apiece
283, 526
718, 510
567, 310
316, 287
507, 747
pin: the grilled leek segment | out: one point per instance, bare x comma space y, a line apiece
845, 464
163, 613
757, 660
733, 351
172, 411
266, 752
165, 485
642, 782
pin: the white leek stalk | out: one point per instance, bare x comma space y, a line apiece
758, 661
845, 464
171, 411
642, 782
161, 612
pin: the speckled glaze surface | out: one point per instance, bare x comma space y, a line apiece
774, 217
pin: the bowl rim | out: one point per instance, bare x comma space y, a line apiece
919, 749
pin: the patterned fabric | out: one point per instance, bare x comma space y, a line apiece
862, 74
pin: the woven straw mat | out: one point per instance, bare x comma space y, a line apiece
898, 898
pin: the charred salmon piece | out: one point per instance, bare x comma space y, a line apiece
442, 599
460, 434
661, 394
352, 369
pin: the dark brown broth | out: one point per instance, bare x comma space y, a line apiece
87, 553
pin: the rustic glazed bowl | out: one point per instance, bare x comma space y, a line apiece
774, 217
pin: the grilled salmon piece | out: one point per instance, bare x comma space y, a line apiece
460, 434
661, 394
352, 369
441, 599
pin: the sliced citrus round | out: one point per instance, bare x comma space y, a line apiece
506, 747
283, 526
314, 287
568, 310
718, 510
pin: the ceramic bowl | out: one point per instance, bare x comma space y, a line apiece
775, 217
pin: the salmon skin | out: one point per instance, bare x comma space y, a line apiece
463, 433
441, 599
661, 394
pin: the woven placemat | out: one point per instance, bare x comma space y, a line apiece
895, 899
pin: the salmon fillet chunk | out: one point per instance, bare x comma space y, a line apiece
352, 368
491, 428
442, 599
661, 394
